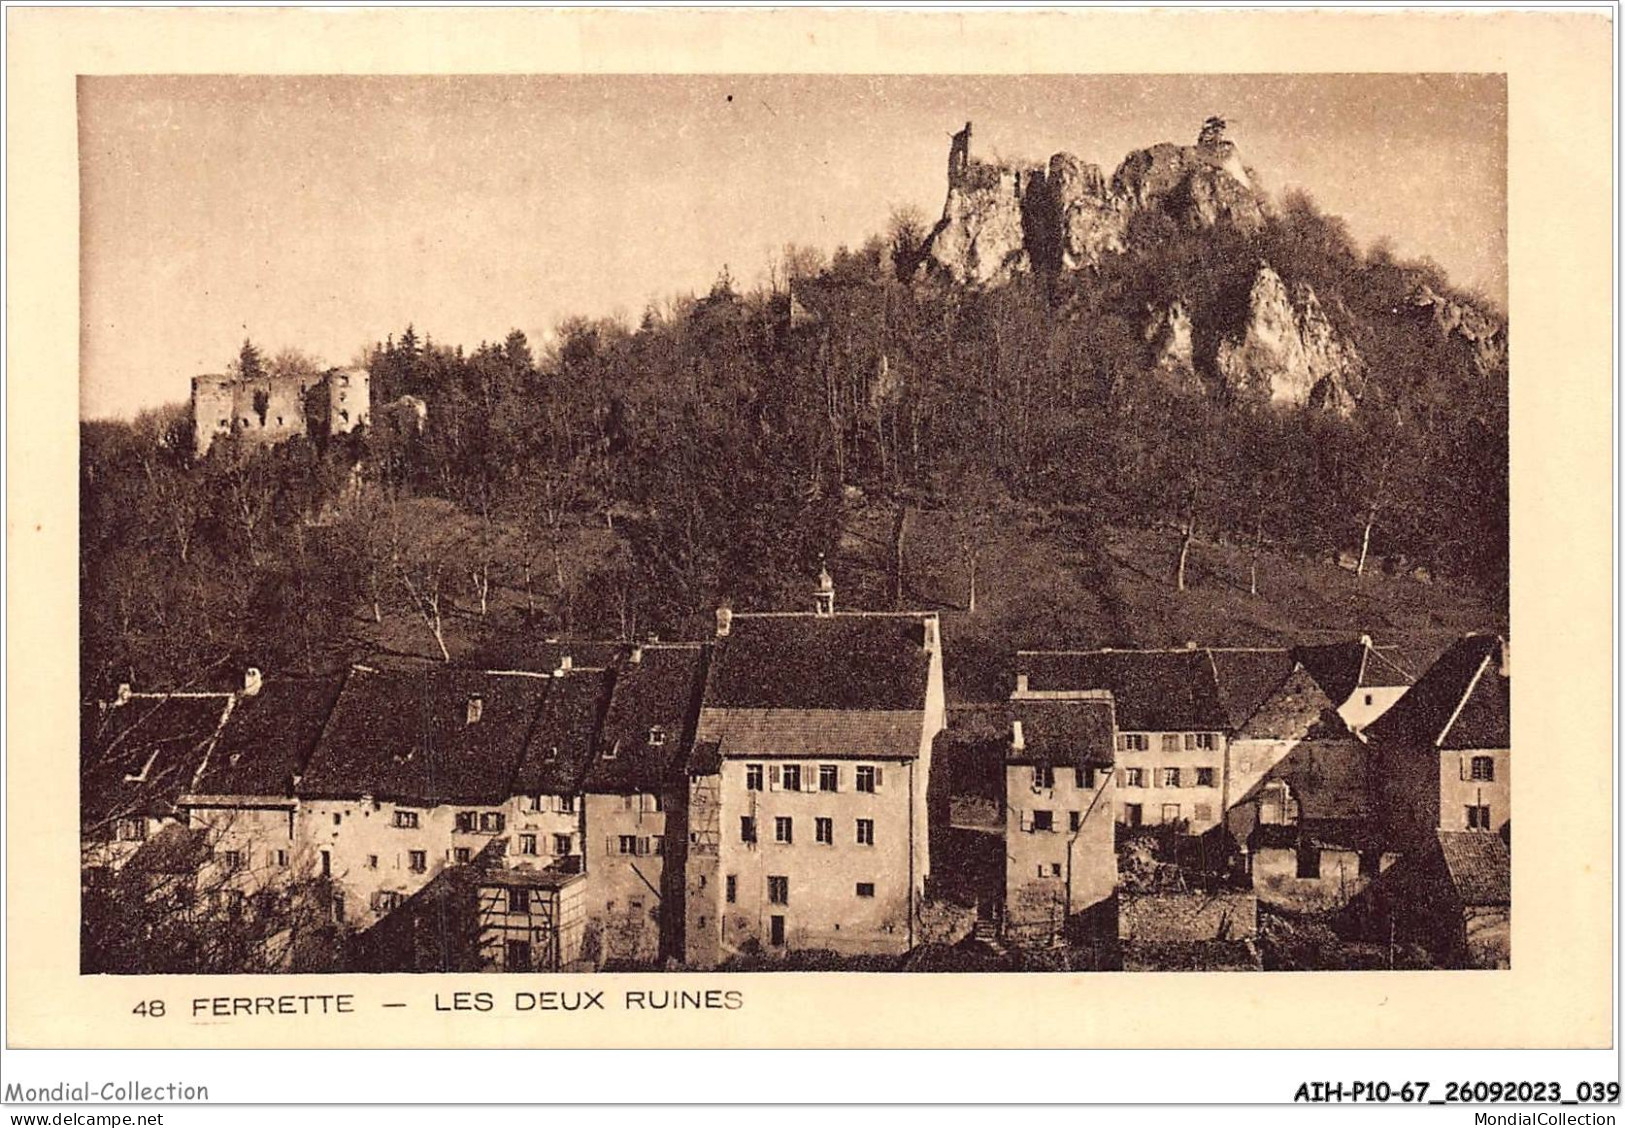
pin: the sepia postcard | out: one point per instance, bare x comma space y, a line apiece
809, 529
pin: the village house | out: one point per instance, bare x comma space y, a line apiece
413, 773
139, 753
1362, 678
636, 802
546, 818
1171, 741
1060, 834
809, 781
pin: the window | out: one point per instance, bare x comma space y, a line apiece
1369, 699
824, 831
518, 955
653, 803
747, 829
1074, 820
461, 855
1308, 861
1133, 742
1202, 812
1170, 742
1483, 768
657, 736
783, 829
372, 862
868, 777
492, 822
1086, 777
1478, 818
1043, 821
386, 900
866, 832
1170, 777
467, 822
753, 777
656, 845
231, 859
535, 803
829, 777
561, 845
327, 863
778, 890
337, 906
519, 900
732, 888
338, 818
567, 804
1043, 777
1200, 740
1055, 869
792, 777
419, 861
527, 843
1133, 777
281, 857
406, 820
629, 844
1170, 812
866, 889
1204, 777
131, 830
1133, 814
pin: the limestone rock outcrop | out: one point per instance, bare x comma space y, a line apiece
1482, 335
1288, 351
1168, 333
1002, 219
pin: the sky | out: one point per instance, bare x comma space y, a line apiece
324, 213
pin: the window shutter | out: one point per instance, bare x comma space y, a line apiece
840, 779
809, 777
609, 844
774, 777
644, 849
1026, 820
879, 777
1462, 764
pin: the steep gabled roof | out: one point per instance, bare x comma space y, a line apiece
1246, 679
410, 736
844, 661
1461, 702
1070, 729
561, 741
1479, 866
269, 738
650, 720
1343, 667
1155, 690
138, 756
832, 734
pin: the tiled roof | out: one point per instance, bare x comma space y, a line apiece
521, 878
1326, 834
1155, 690
845, 661
649, 721
1343, 667
561, 741
1461, 702
814, 733
1076, 731
173, 850
1479, 865
409, 736
1246, 680
269, 738
140, 756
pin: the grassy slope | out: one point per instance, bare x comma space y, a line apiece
1035, 591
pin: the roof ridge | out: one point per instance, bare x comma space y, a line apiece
1472, 684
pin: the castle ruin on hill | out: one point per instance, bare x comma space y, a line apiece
265, 410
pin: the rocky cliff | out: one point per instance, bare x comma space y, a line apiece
1002, 219
1287, 350
1482, 335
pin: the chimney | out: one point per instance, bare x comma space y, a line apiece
252, 681
636, 656
1506, 659
476, 708
564, 666
123, 697
1021, 684
1018, 737
824, 597
1365, 641
725, 621
932, 634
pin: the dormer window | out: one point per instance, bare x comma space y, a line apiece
612, 751
476, 709
657, 736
